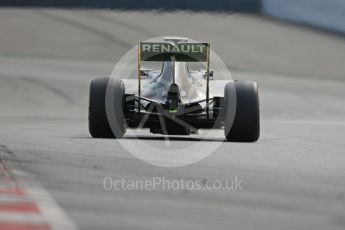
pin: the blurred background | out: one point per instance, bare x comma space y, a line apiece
293, 178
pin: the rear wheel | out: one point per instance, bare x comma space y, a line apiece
99, 124
244, 124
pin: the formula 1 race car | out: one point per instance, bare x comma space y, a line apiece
174, 100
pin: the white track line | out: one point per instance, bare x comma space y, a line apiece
12, 199
22, 218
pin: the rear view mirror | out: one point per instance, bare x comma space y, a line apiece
144, 73
211, 75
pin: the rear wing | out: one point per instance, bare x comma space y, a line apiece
177, 52
183, 52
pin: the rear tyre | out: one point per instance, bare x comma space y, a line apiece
245, 125
99, 124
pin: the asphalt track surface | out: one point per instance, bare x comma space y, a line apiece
292, 178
